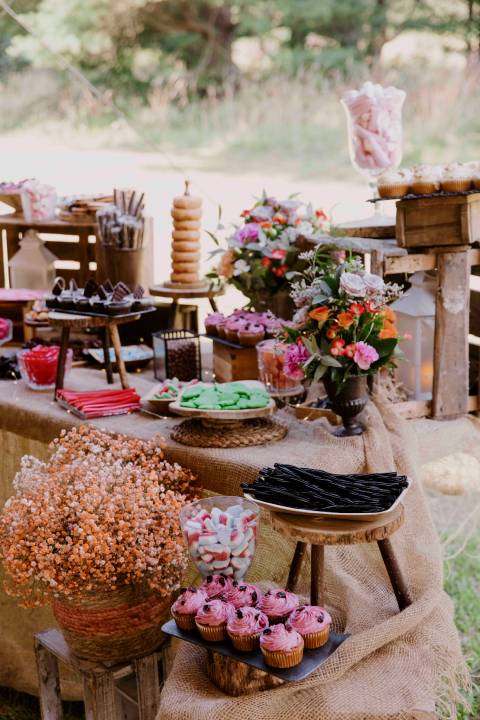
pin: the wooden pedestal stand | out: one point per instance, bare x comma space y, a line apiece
107, 689
320, 532
69, 321
167, 290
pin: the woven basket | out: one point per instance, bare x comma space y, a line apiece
112, 626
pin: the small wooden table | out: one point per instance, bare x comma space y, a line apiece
105, 685
69, 321
176, 294
320, 532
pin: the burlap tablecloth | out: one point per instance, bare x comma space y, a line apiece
411, 660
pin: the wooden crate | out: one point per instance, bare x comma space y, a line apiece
232, 362
438, 221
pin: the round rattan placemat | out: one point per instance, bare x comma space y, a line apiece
257, 431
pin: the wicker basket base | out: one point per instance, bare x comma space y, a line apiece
112, 626
196, 433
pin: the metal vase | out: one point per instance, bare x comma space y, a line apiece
348, 401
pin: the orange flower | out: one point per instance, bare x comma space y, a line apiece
389, 314
331, 333
388, 331
280, 218
320, 314
266, 224
345, 319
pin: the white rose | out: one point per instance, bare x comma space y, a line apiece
353, 285
240, 267
373, 283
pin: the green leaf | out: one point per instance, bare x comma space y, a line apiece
319, 373
213, 237
330, 361
384, 347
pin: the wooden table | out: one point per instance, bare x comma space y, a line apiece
319, 532
13, 226
185, 294
69, 321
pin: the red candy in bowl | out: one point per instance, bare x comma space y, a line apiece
38, 366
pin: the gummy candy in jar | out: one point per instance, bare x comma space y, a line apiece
221, 533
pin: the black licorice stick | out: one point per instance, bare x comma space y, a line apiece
354, 491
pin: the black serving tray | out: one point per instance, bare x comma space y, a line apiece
109, 316
436, 194
228, 343
312, 659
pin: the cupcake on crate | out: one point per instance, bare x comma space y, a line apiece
212, 618
211, 322
216, 585
221, 331
281, 646
251, 334
313, 623
425, 179
456, 177
394, 183
242, 594
232, 328
245, 627
278, 604
474, 168
186, 607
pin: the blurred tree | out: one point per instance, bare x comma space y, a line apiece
131, 45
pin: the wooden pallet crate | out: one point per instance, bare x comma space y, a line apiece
233, 362
438, 221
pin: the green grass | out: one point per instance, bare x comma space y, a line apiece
462, 582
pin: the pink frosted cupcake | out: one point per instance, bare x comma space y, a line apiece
251, 334
211, 323
242, 594
232, 328
211, 620
313, 623
221, 328
186, 607
278, 604
281, 647
216, 585
245, 627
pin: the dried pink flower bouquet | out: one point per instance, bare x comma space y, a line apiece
103, 511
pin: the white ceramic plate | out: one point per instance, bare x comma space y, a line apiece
365, 517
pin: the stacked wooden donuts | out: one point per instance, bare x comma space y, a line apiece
187, 217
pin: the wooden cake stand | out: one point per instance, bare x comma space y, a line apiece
178, 292
226, 428
70, 321
320, 532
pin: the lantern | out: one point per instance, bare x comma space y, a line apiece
415, 313
33, 266
176, 355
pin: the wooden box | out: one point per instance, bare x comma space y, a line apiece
232, 362
437, 221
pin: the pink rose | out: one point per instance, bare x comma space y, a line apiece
365, 355
352, 284
296, 355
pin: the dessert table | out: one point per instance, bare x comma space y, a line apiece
359, 593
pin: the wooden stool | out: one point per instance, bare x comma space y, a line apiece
320, 532
69, 321
176, 294
105, 686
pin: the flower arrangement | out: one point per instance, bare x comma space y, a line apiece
265, 248
343, 325
102, 512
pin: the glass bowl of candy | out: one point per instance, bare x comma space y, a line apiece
221, 533
6, 330
38, 365
271, 363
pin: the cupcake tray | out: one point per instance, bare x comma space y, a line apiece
312, 659
438, 194
228, 343
107, 316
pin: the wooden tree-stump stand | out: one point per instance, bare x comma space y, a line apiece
106, 689
69, 321
320, 532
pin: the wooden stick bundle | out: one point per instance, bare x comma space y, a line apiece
121, 225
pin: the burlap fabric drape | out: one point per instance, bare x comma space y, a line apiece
394, 664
